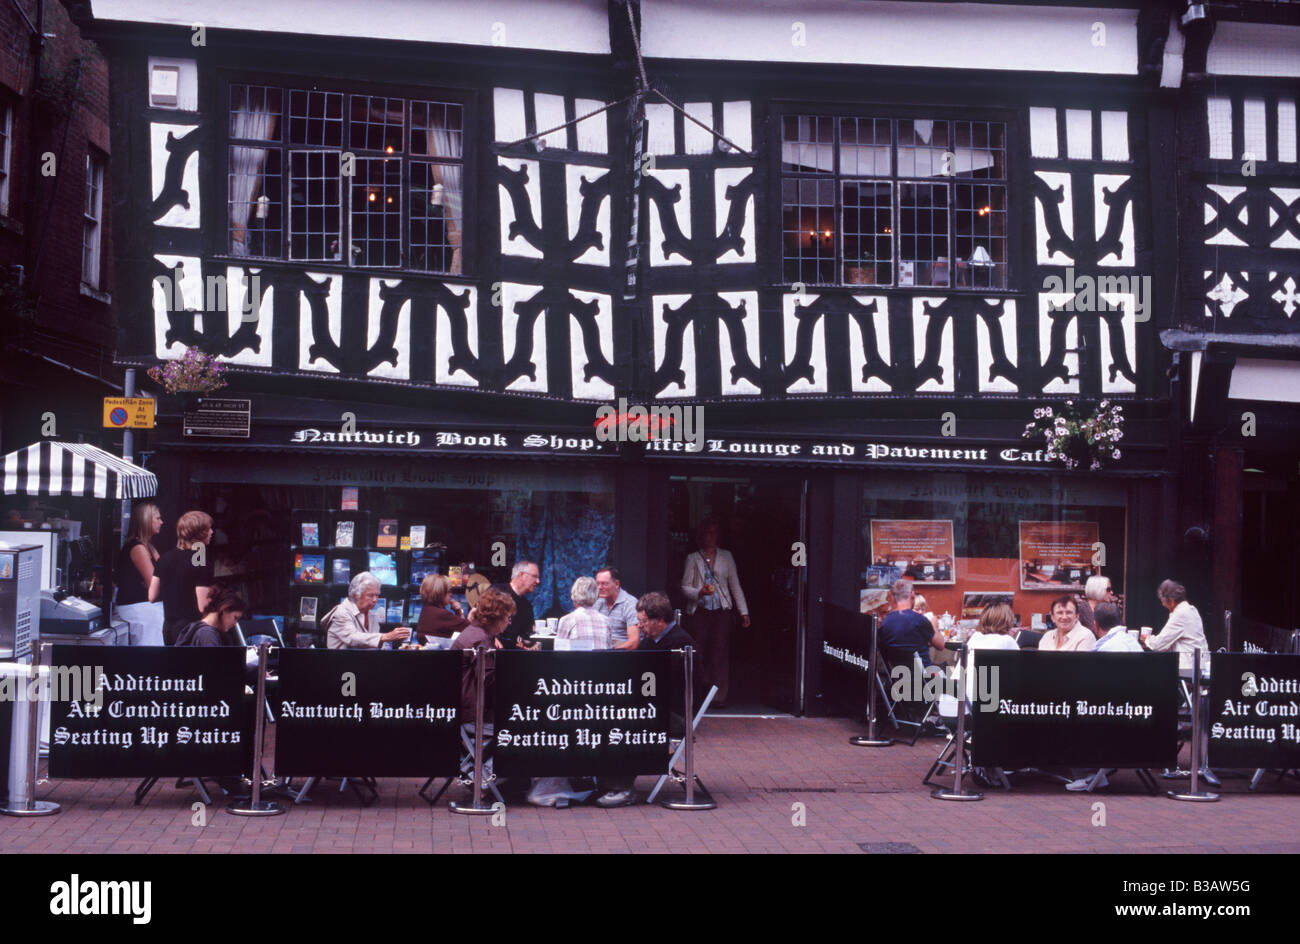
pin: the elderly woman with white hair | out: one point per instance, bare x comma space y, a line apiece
350, 624
585, 625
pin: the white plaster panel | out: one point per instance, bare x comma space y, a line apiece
1078, 134
1056, 384
508, 114
442, 349
519, 246
574, 175
1286, 130
955, 35
737, 124
178, 216
920, 325
1114, 136
596, 388
723, 178
511, 294
237, 292
402, 340
1287, 239
580, 26
661, 305
1218, 115
681, 210
1121, 383
817, 359
1101, 183
858, 351
189, 286
742, 386
1253, 122
1224, 237
1254, 49
1054, 180
660, 138
593, 132
548, 110
187, 82
1042, 133
697, 139
334, 306
1006, 327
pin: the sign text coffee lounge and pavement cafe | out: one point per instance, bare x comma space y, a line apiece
800, 450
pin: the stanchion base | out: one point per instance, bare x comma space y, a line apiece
36, 808
681, 804
469, 809
861, 740
1193, 797
943, 793
249, 808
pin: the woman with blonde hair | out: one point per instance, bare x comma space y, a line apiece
435, 618
135, 566
183, 578
995, 631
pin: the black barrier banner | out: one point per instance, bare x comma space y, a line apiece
351, 713
1068, 709
149, 711
846, 657
575, 714
1254, 710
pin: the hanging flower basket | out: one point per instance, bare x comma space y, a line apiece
194, 373
1079, 439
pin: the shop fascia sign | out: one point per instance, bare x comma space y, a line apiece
841, 451
444, 439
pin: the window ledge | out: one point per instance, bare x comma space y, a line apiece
96, 294
11, 224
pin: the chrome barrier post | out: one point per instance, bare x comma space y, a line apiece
958, 791
1195, 794
255, 805
476, 808
872, 739
1227, 630
690, 803
23, 802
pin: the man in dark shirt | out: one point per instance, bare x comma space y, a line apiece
905, 631
524, 578
183, 577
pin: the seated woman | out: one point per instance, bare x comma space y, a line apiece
994, 632
216, 628
435, 618
585, 626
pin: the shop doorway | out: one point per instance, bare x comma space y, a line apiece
759, 520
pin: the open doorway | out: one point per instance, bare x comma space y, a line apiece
759, 519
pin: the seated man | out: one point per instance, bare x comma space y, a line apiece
905, 631
1069, 635
658, 630
905, 634
352, 625
1112, 635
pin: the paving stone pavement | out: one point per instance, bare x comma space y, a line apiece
854, 800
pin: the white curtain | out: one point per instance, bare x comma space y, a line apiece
446, 143
246, 164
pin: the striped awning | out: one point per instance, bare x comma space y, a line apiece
74, 469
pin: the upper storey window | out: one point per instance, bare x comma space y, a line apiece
894, 201
340, 177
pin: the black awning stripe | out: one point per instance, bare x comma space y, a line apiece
74, 470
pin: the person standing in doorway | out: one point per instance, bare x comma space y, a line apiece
711, 585
135, 567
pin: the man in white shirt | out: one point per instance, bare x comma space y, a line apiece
1183, 632
1112, 635
1069, 635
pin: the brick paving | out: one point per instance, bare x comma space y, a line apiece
757, 769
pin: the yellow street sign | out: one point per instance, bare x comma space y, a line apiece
128, 412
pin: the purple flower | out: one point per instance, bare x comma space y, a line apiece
1115, 454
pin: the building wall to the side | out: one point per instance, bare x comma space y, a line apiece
58, 331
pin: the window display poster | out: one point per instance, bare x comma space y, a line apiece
921, 550
1057, 555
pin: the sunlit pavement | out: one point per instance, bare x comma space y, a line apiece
768, 776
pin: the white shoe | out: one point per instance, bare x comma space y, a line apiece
1085, 783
